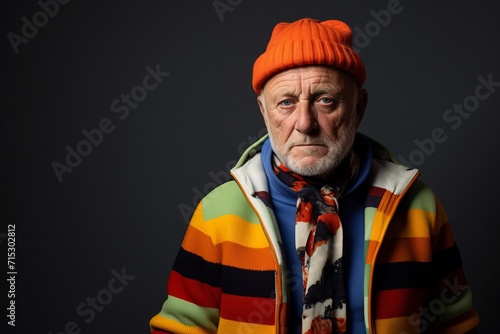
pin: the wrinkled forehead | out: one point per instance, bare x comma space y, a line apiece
309, 80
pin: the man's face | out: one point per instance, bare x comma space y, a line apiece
312, 114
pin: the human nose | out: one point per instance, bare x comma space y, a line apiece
306, 118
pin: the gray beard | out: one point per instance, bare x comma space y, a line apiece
325, 165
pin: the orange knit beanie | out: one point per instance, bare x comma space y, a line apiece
308, 42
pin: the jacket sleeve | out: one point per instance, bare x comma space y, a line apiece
419, 284
448, 308
192, 305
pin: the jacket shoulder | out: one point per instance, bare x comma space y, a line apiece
227, 199
420, 196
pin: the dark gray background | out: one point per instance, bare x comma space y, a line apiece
120, 207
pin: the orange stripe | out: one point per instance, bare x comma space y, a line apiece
247, 258
229, 326
405, 249
370, 252
398, 325
227, 253
200, 244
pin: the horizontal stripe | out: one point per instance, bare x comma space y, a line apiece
231, 228
160, 325
227, 253
247, 309
227, 199
380, 222
198, 243
420, 196
238, 256
464, 323
453, 304
451, 287
178, 315
406, 325
410, 224
195, 267
236, 281
229, 326
446, 261
374, 196
404, 250
401, 275
251, 283
398, 302
193, 291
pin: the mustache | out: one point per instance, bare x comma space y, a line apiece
311, 141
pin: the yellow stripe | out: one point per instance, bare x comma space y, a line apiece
160, 323
414, 223
229, 326
234, 255
398, 325
230, 228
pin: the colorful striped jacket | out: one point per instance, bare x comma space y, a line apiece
230, 277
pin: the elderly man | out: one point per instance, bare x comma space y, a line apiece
320, 230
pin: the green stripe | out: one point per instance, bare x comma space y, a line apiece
190, 314
369, 215
460, 304
227, 199
419, 196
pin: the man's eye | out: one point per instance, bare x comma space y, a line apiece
286, 103
326, 100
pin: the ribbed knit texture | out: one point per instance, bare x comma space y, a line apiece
308, 42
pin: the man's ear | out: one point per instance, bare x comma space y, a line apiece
361, 105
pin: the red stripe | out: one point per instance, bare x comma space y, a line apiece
193, 291
376, 191
398, 302
248, 309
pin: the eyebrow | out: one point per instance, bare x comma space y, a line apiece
322, 90
284, 92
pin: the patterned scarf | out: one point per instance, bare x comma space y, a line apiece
318, 240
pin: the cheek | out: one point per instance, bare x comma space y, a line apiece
330, 125
280, 125
333, 125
